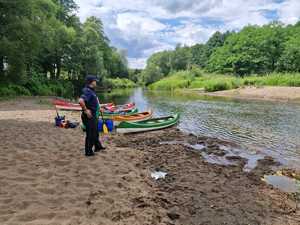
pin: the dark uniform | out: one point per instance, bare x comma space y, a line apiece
92, 135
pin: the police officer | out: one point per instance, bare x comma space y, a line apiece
90, 105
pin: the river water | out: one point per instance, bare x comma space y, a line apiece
270, 128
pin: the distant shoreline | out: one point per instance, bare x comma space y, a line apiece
269, 93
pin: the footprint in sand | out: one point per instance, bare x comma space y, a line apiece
4, 219
109, 200
84, 185
4, 212
23, 179
2, 168
47, 216
6, 200
47, 191
27, 217
62, 162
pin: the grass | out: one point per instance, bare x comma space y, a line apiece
37, 88
216, 82
118, 83
180, 80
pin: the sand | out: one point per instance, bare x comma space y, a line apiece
46, 179
261, 93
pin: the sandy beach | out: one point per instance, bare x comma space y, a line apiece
261, 93
46, 179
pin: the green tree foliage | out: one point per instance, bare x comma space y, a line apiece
163, 63
135, 75
253, 50
290, 58
151, 74
45, 39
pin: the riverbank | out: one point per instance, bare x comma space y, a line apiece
214, 83
259, 93
62, 88
45, 178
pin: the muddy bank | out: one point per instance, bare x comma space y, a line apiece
46, 179
198, 192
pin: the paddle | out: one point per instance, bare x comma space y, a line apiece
105, 129
56, 112
58, 120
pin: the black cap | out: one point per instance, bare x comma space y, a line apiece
91, 78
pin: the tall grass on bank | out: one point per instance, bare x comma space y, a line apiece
118, 83
179, 80
215, 82
38, 86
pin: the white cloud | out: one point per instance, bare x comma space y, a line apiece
135, 23
143, 27
138, 63
190, 34
289, 12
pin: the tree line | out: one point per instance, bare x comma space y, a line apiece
45, 40
253, 50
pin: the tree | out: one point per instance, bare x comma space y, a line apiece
252, 50
290, 58
21, 23
94, 44
46, 37
151, 74
199, 55
181, 58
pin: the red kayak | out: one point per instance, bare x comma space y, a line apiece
63, 102
109, 107
115, 108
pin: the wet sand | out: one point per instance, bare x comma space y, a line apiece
46, 179
261, 93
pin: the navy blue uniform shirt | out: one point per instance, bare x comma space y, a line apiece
90, 98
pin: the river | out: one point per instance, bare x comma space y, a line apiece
271, 128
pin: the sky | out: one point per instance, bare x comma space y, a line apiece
143, 27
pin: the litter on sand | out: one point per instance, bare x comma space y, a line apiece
158, 175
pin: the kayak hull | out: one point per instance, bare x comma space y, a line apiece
117, 108
107, 115
132, 118
108, 108
148, 125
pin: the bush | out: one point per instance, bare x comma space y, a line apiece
196, 71
181, 79
11, 90
214, 82
118, 83
218, 85
7, 92
291, 80
236, 83
40, 86
19, 90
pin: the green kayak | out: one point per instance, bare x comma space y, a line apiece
148, 125
108, 115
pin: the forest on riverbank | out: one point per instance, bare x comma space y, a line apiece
256, 55
46, 50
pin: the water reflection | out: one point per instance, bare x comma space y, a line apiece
257, 125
